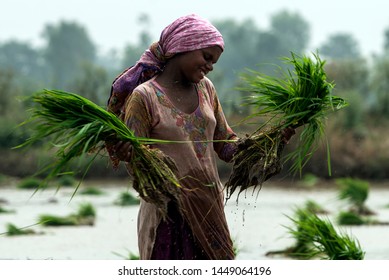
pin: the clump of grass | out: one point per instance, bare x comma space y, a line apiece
315, 207
126, 199
66, 181
13, 230
130, 256
5, 211
77, 127
29, 183
309, 180
350, 218
317, 238
56, 221
84, 216
91, 191
3, 179
300, 98
355, 192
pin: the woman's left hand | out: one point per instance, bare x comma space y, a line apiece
287, 133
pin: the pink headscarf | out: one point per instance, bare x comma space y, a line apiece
185, 34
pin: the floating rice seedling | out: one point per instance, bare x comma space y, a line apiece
355, 192
91, 191
300, 98
317, 238
13, 230
77, 127
130, 256
126, 199
5, 211
85, 215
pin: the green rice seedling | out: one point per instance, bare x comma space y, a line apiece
355, 192
56, 221
126, 199
309, 180
3, 179
91, 191
5, 211
325, 242
302, 247
314, 207
130, 256
347, 218
66, 181
77, 127
13, 230
29, 183
86, 210
300, 98
85, 215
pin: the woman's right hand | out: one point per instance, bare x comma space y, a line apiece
122, 150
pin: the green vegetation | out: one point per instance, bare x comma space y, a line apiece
126, 199
66, 181
5, 211
77, 127
29, 183
313, 207
316, 237
309, 180
84, 216
13, 230
355, 192
77, 67
91, 191
130, 256
300, 98
350, 219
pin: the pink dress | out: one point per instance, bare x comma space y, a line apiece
150, 113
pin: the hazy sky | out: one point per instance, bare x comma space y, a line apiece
113, 23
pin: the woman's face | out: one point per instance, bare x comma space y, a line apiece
194, 65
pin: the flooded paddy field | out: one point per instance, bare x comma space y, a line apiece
257, 222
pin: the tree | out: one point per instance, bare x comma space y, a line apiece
92, 83
351, 82
6, 91
386, 41
340, 46
22, 60
68, 47
379, 84
132, 52
240, 40
291, 30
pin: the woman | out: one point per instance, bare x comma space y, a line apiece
167, 95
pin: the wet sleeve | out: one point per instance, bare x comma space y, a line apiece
225, 150
137, 114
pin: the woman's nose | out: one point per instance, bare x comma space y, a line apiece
209, 66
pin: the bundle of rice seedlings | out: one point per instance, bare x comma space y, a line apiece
126, 199
299, 98
322, 240
85, 215
13, 230
77, 127
356, 192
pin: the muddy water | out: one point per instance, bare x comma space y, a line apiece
257, 223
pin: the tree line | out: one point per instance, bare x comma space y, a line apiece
69, 61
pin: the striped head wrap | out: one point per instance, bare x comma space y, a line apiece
185, 34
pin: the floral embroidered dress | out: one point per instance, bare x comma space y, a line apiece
150, 113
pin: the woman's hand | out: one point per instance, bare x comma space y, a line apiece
287, 133
122, 150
